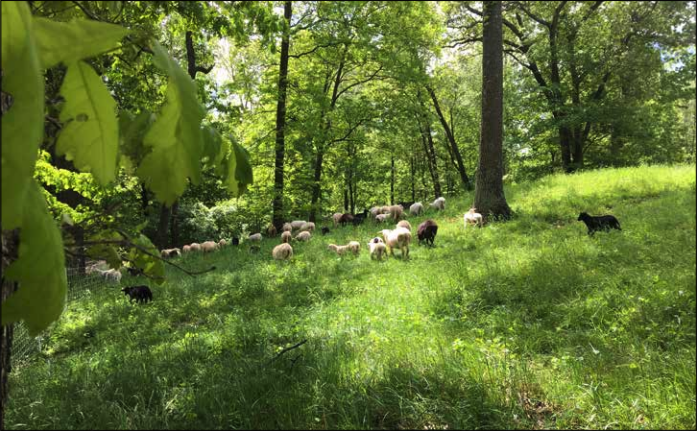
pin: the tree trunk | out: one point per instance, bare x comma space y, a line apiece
10, 247
455, 152
315, 198
174, 225
489, 190
431, 151
278, 204
412, 177
392, 180
144, 200
162, 240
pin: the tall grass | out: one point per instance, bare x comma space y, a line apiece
523, 324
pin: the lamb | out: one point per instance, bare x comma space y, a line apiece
341, 250
297, 224
416, 208
255, 237
286, 237
396, 212
471, 217
325, 230
594, 223
287, 227
303, 236
336, 217
222, 243
195, 247
309, 226
170, 252
427, 231
381, 218
271, 231
405, 224
399, 237
209, 246
439, 204
282, 252
139, 293
376, 248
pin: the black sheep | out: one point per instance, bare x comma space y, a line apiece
360, 217
427, 231
594, 223
139, 293
236, 241
406, 205
325, 230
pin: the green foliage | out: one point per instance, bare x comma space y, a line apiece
91, 135
144, 256
22, 125
66, 41
39, 269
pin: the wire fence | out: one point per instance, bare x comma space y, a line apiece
24, 346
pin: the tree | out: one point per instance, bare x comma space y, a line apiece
489, 189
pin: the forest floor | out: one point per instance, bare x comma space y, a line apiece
528, 323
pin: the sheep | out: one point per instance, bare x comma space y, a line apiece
222, 243
346, 218
381, 218
374, 211
209, 246
376, 248
271, 231
336, 217
396, 212
297, 224
309, 226
195, 246
594, 223
186, 249
360, 217
287, 227
439, 204
286, 237
405, 224
355, 247
341, 250
139, 293
236, 241
170, 252
325, 230
110, 275
255, 237
399, 237
303, 236
385, 209
96, 267
282, 252
471, 217
416, 208
405, 204
427, 231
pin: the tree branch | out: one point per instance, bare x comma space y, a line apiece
363, 81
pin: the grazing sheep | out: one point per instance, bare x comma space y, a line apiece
303, 236
222, 243
282, 252
385, 209
346, 218
396, 212
186, 249
405, 224
471, 217
271, 231
325, 230
170, 252
381, 218
286, 237
427, 231
376, 248
594, 223
360, 217
309, 226
110, 275
399, 237
287, 227
439, 204
336, 217
209, 246
341, 250
416, 208
139, 293
195, 247
375, 211
405, 204
255, 237
355, 247
297, 224
236, 241
96, 267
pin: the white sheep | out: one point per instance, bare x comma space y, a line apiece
352, 247
186, 249
255, 237
416, 208
195, 246
297, 224
375, 211
309, 226
286, 237
471, 217
170, 252
271, 231
376, 248
222, 242
209, 246
381, 218
399, 237
439, 204
405, 224
282, 252
287, 227
385, 209
396, 212
336, 217
111, 275
303, 236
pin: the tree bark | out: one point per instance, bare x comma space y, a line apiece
315, 198
489, 190
451, 140
412, 177
10, 247
174, 224
162, 240
432, 157
392, 180
278, 203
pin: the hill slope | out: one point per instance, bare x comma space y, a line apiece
523, 324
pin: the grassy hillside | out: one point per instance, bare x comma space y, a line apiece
523, 324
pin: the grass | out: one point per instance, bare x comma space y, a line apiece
523, 324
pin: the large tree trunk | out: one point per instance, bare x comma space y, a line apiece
489, 190
315, 198
392, 180
431, 151
412, 177
174, 224
278, 204
455, 152
10, 246
163, 223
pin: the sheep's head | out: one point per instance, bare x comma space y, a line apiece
332, 247
582, 216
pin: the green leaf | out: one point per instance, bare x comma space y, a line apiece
69, 42
132, 130
91, 135
39, 269
23, 123
238, 171
212, 144
175, 137
150, 264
